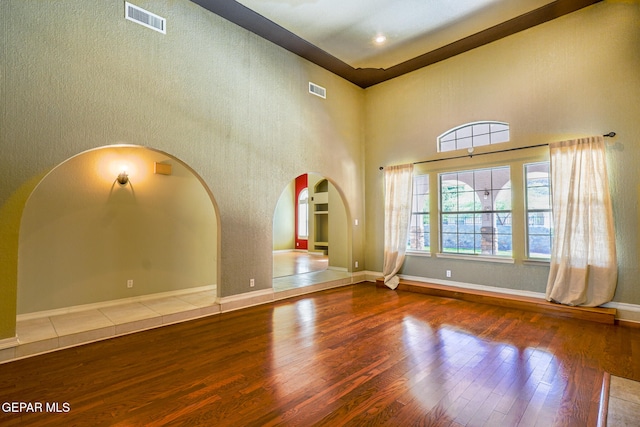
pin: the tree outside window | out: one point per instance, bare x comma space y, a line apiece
419, 227
475, 212
538, 205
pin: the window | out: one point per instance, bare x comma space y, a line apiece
475, 212
538, 205
303, 214
473, 135
419, 232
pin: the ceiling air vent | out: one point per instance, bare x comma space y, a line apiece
317, 90
144, 17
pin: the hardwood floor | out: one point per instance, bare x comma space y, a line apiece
357, 355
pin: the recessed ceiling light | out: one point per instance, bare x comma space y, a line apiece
380, 38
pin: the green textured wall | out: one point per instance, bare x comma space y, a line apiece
76, 75
575, 76
284, 220
339, 235
82, 236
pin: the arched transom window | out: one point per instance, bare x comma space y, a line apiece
474, 134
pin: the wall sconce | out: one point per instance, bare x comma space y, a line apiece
123, 178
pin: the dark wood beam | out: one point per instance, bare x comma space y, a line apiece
366, 77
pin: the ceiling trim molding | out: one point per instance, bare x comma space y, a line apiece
246, 18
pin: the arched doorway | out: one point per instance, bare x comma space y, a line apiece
324, 252
85, 238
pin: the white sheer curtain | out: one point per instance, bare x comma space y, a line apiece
398, 181
583, 260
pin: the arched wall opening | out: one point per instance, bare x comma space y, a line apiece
329, 233
85, 238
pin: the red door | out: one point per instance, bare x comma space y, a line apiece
301, 184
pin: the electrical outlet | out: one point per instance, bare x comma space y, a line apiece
356, 264
130, 283
448, 273
252, 282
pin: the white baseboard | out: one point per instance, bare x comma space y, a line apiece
359, 276
111, 303
303, 251
371, 276
626, 312
247, 299
473, 286
9, 343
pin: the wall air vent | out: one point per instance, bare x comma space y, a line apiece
317, 90
144, 17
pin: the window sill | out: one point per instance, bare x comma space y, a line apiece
418, 254
533, 261
482, 258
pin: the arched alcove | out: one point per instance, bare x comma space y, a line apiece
85, 238
328, 226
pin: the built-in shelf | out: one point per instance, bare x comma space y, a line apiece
321, 214
321, 198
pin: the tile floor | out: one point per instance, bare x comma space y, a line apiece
295, 273
624, 402
44, 334
293, 262
309, 279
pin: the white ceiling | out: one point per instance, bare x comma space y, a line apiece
345, 29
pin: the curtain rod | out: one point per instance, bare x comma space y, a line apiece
606, 135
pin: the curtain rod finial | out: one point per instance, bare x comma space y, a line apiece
381, 167
610, 134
